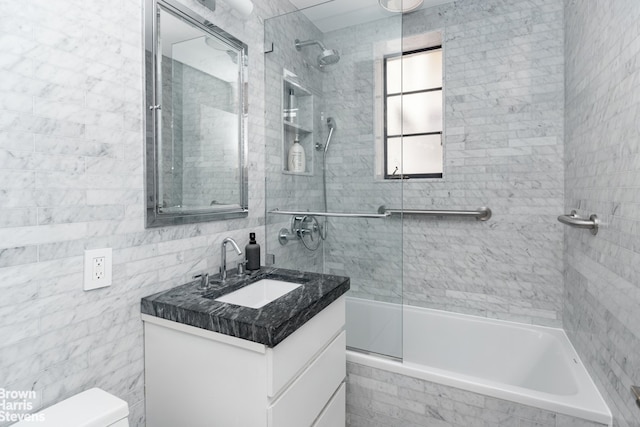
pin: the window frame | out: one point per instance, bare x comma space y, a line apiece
385, 95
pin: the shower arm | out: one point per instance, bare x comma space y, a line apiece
300, 44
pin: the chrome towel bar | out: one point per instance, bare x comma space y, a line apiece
330, 214
481, 214
574, 220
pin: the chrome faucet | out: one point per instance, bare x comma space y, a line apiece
223, 256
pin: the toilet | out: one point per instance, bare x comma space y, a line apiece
91, 408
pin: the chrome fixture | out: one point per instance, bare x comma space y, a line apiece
574, 220
330, 214
400, 6
223, 256
241, 268
204, 280
305, 223
331, 123
303, 227
327, 57
481, 214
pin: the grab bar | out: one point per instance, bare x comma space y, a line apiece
330, 214
574, 220
481, 214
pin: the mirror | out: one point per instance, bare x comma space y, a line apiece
196, 118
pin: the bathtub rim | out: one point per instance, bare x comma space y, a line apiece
593, 409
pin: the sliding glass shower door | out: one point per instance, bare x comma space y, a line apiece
326, 186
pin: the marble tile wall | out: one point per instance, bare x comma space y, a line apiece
71, 178
379, 398
602, 152
503, 149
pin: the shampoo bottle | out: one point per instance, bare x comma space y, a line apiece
252, 251
293, 111
297, 160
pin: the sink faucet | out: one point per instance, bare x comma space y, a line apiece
223, 256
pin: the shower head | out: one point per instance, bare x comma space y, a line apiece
327, 57
331, 122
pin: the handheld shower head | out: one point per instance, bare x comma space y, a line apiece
331, 123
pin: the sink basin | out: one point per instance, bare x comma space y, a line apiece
259, 294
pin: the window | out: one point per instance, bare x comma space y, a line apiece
413, 114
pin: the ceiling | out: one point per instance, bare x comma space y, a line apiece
336, 14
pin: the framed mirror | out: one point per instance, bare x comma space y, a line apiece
196, 118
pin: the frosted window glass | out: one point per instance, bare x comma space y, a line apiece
422, 71
415, 155
414, 113
394, 76
394, 115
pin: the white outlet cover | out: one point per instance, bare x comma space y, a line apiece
89, 255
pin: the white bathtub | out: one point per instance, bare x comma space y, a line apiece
531, 365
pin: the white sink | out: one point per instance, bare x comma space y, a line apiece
259, 294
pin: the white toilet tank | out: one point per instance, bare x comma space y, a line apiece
91, 408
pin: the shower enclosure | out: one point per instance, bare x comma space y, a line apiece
503, 116
324, 80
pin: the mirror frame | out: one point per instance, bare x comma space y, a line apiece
154, 216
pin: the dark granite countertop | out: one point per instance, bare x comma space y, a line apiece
269, 325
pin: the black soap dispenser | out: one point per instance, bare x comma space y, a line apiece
252, 251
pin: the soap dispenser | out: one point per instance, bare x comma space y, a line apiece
252, 251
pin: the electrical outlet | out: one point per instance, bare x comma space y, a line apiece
97, 268
97, 274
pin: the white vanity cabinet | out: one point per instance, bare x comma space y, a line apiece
197, 378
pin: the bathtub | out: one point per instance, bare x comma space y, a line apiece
531, 365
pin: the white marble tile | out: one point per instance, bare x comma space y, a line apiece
601, 154
71, 73
407, 401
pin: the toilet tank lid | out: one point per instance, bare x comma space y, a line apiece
91, 408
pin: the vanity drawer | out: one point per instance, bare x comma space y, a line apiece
291, 356
334, 414
301, 403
